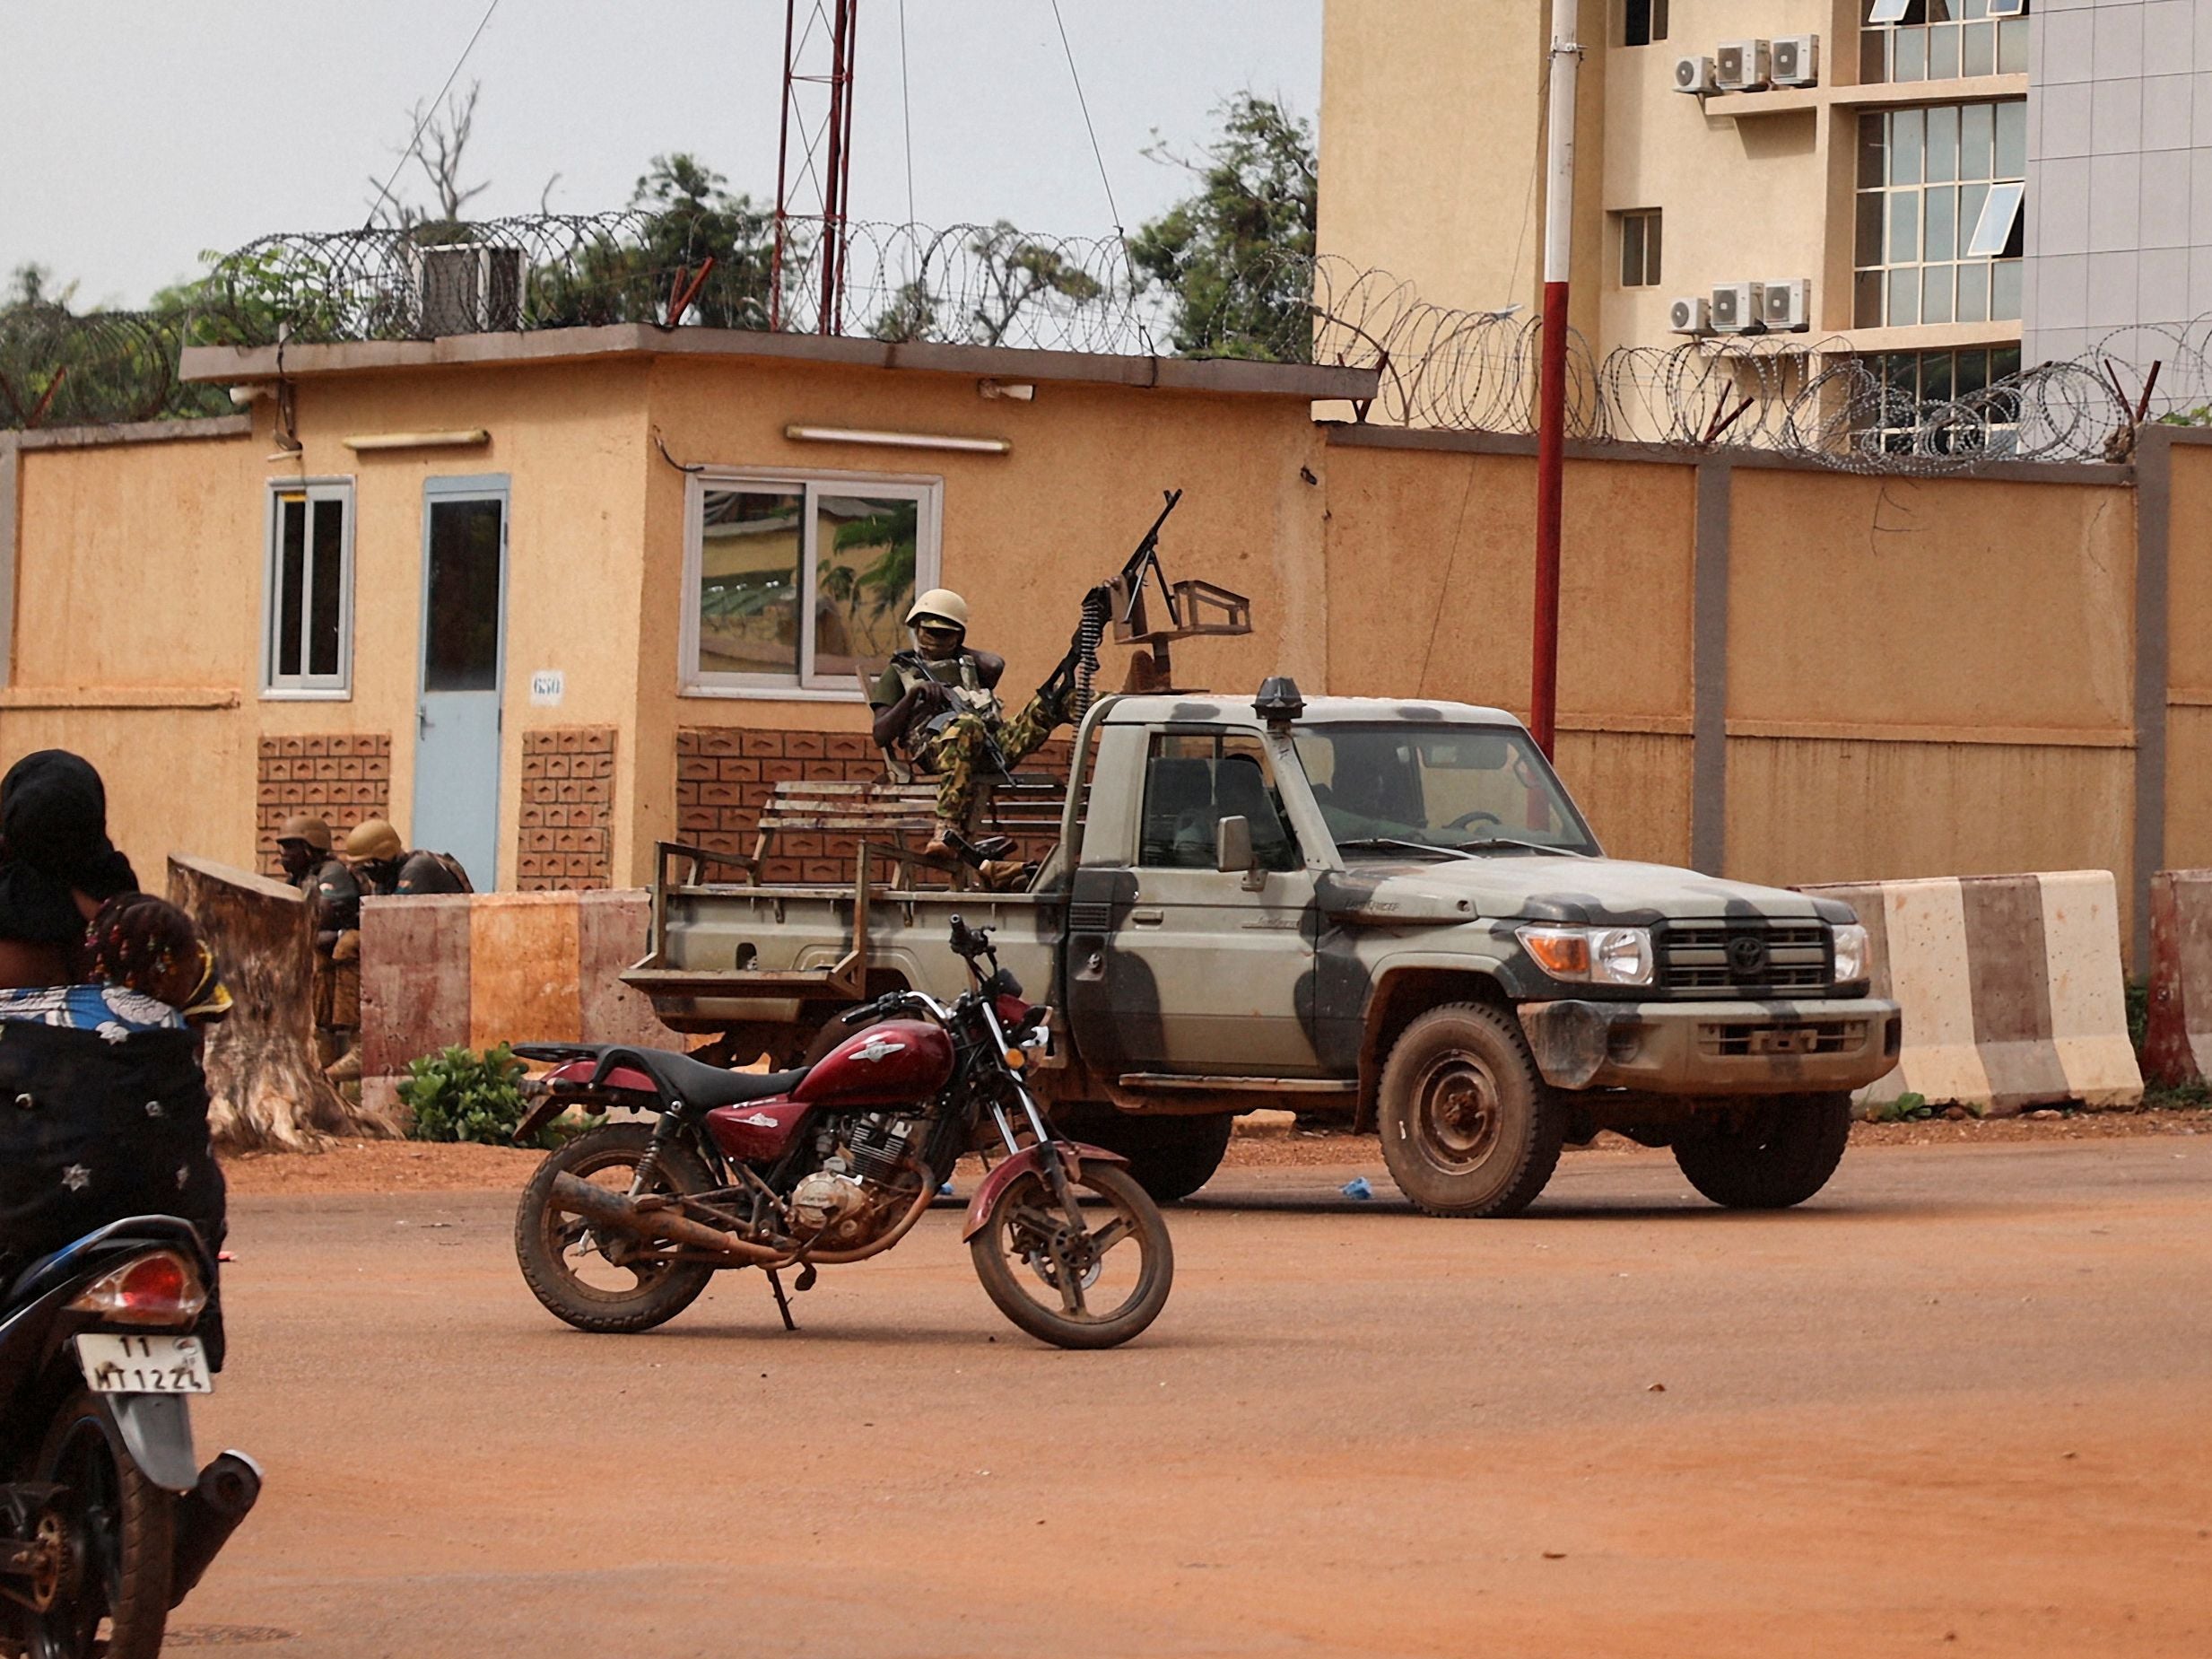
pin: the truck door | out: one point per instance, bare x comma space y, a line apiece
1226, 964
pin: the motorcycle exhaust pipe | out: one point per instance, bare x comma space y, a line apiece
208, 1514
601, 1208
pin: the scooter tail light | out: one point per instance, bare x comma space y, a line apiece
157, 1288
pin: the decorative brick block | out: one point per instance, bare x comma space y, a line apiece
341, 777
568, 806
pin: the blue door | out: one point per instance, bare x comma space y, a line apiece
457, 745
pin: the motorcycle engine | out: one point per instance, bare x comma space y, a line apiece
826, 1203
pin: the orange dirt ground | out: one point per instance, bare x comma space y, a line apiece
1955, 1405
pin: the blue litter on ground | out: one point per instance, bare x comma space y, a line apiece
1357, 1187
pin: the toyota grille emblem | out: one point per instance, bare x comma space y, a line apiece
1747, 956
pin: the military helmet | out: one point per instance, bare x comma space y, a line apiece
312, 831
941, 604
374, 840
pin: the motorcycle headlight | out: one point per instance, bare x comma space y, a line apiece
1597, 956
1850, 952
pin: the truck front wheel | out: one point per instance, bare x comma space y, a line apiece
1777, 1156
1469, 1127
1169, 1157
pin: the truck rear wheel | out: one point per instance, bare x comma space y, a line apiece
1777, 1156
1469, 1127
1170, 1157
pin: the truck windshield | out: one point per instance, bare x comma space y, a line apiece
1464, 788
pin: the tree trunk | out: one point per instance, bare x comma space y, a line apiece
267, 1091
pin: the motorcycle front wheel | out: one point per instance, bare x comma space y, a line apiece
1076, 1277
112, 1594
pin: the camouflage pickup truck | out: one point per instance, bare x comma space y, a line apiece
1389, 911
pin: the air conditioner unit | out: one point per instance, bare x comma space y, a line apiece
466, 288
1691, 314
1741, 65
1739, 308
1695, 75
2008, 8
1786, 307
1796, 60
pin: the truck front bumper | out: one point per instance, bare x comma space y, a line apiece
1714, 1048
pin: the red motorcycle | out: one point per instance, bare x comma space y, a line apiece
621, 1229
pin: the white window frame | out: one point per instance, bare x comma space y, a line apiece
806, 685
305, 687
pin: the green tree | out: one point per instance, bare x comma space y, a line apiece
1017, 271
1234, 258
689, 217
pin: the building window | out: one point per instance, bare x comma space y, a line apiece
307, 621
1642, 22
1639, 247
1942, 39
793, 583
1941, 201
1935, 402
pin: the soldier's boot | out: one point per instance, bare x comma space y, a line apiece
940, 844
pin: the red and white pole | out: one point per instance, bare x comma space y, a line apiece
1552, 383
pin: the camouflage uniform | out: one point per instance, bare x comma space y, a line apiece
969, 738
961, 749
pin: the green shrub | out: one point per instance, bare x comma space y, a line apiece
460, 1095
1907, 1108
2138, 991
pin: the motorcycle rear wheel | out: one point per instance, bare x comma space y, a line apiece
121, 1528
1041, 1265
556, 1250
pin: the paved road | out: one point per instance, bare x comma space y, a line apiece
1961, 1404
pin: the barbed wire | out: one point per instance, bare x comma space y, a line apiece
104, 368
1438, 366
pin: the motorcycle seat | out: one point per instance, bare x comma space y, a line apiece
679, 1076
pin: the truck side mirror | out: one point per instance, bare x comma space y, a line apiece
1233, 849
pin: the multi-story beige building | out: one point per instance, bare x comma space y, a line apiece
1949, 180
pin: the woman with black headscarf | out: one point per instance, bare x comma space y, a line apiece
57, 867
103, 1106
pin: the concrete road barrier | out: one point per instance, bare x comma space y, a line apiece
2011, 986
481, 969
2177, 1045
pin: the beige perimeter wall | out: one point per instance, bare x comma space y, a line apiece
1898, 676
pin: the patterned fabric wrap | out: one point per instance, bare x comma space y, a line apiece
114, 1011
98, 1122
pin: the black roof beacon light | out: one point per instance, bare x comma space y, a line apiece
1278, 702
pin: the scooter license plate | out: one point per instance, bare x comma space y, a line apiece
145, 1365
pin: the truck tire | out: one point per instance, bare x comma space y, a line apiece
1777, 1156
1468, 1125
1170, 1157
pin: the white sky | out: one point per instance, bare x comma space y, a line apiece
138, 132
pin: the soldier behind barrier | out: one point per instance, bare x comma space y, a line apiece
938, 706
384, 866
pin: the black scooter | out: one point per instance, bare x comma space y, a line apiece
107, 1520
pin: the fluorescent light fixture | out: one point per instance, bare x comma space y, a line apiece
1993, 230
898, 441
475, 437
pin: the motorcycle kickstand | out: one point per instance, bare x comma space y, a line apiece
783, 1303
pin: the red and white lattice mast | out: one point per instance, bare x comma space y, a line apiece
813, 162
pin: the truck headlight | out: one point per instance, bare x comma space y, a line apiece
1597, 956
1850, 952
